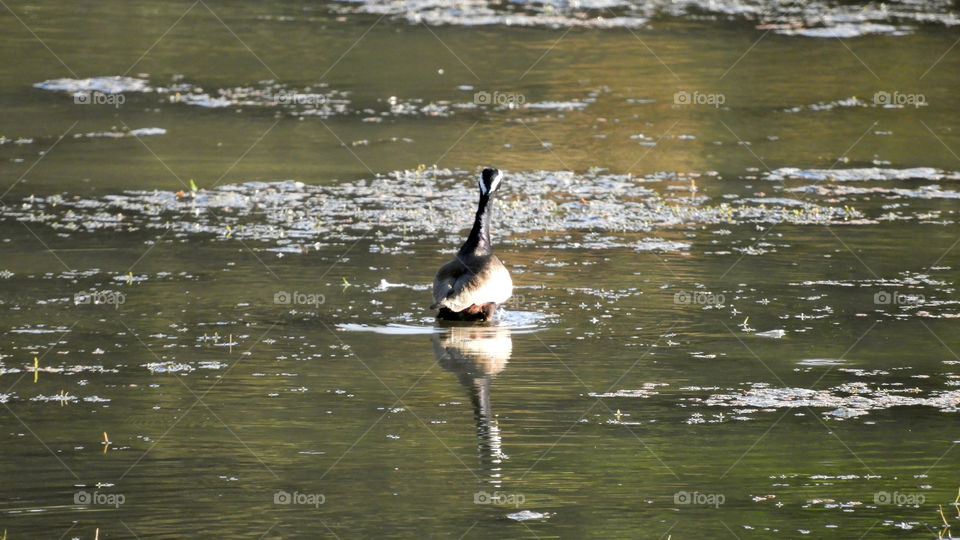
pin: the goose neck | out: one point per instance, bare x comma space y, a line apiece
479, 238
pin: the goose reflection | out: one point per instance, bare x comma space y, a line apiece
477, 354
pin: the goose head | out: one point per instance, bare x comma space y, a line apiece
490, 180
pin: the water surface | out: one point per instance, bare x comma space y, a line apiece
735, 268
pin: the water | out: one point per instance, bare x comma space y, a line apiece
735, 267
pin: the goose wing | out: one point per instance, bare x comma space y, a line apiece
450, 279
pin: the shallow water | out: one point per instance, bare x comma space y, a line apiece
732, 236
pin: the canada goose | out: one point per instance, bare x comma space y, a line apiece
469, 287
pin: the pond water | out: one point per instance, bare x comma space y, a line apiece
732, 229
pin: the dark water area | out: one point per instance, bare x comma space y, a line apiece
731, 228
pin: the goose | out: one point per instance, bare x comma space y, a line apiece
469, 287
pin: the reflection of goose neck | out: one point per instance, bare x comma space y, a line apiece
489, 442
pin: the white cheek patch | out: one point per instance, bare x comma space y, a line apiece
483, 188
496, 181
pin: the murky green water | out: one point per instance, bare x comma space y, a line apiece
702, 343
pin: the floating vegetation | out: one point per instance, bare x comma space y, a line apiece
106, 85
930, 191
525, 515
39, 329
648, 390
169, 367
815, 19
860, 174
62, 398
407, 206
318, 100
846, 400
141, 132
829, 106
